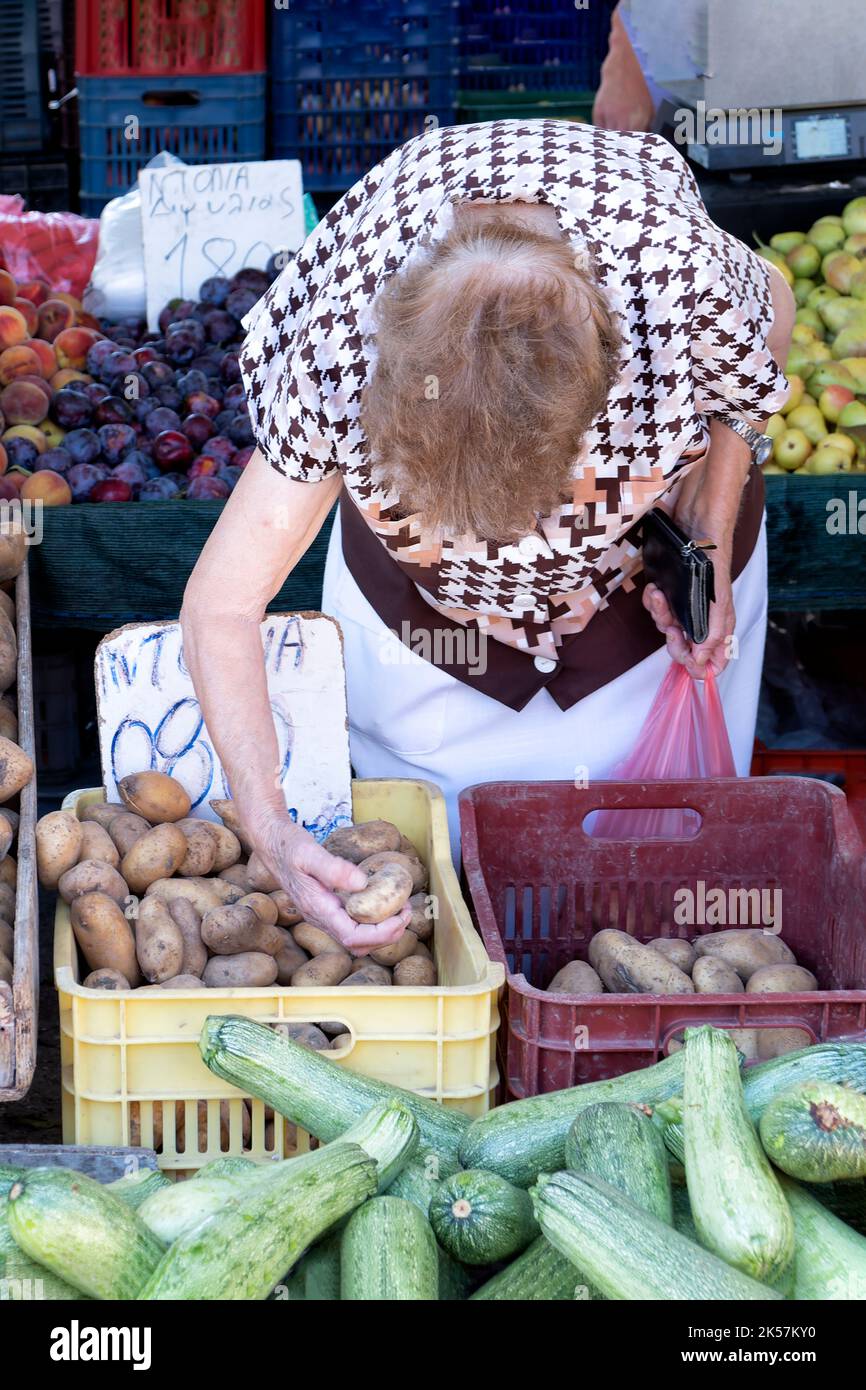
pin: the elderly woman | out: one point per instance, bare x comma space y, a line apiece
498, 351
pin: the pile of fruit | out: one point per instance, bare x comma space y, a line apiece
818, 429
92, 411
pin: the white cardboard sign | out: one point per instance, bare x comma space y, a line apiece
149, 716
199, 220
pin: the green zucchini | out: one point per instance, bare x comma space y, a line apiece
540, 1275
388, 1134
684, 1222
135, 1188
388, 1254
261, 1232
625, 1252
82, 1232
309, 1089
419, 1180
226, 1166
22, 1279
817, 1132
737, 1203
455, 1280
480, 1218
830, 1260
620, 1144
316, 1278
178, 1208
844, 1063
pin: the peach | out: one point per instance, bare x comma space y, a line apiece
69, 299
28, 432
13, 326
16, 478
7, 288
65, 375
18, 361
47, 487
54, 435
29, 311
38, 381
8, 490
46, 354
54, 316
88, 321
37, 291
72, 346
23, 404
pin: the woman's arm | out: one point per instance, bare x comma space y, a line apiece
263, 532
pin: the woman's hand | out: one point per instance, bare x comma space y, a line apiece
718, 647
312, 878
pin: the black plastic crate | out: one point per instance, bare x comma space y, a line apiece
23, 103
43, 183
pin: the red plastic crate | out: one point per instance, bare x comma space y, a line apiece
542, 887
161, 38
847, 764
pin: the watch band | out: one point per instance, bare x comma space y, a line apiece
761, 445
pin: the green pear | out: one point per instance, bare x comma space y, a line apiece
820, 352
791, 450
856, 244
833, 400
854, 216
831, 374
857, 368
778, 260
843, 442
826, 236
837, 313
772, 468
796, 387
858, 285
839, 269
851, 342
817, 296
809, 419
800, 360
787, 241
826, 459
810, 318
805, 331
775, 426
802, 288
804, 260
853, 416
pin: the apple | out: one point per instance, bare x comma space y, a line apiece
832, 400
791, 449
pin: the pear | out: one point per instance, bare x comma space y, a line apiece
787, 241
856, 244
773, 468
858, 285
839, 269
856, 367
843, 442
778, 260
808, 399
816, 297
775, 426
826, 236
826, 459
838, 312
805, 259
802, 288
831, 374
851, 342
853, 416
832, 401
820, 352
830, 217
802, 359
811, 318
854, 216
805, 332
796, 387
809, 419
791, 450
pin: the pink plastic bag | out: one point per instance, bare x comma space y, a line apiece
57, 247
683, 737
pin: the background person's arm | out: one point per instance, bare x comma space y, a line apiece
263, 532
623, 100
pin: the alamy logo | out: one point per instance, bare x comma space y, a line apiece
77, 1343
712, 125
729, 907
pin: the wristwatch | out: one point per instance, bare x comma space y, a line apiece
761, 445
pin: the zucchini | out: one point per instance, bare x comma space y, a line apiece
625, 1252
540, 1275
480, 1218
316, 1278
419, 1180
844, 1063
830, 1261
135, 1188
178, 1208
388, 1254
817, 1132
22, 1279
527, 1137
737, 1203
261, 1232
455, 1280
226, 1166
82, 1232
309, 1089
684, 1222
620, 1144
389, 1135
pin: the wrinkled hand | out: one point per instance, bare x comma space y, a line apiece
716, 650
312, 878
623, 100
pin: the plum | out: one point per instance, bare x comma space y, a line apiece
214, 291
95, 391
170, 396
138, 459
58, 460
111, 490
161, 419
158, 490
204, 465
82, 445
71, 409
243, 456
249, 278
193, 380
143, 407
200, 403
97, 354
240, 431
83, 477
112, 411
230, 367
219, 448
235, 397
116, 365
135, 386
241, 301
146, 353
198, 429
230, 475
207, 488
116, 441
224, 419
130, 471
20, 452
157, 374
221, 326
180, 348
174, 311
171, 449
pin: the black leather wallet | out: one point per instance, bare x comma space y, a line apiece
682, 570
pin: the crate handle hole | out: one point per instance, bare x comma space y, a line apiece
666, 823
175, 98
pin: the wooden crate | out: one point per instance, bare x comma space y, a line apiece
18, 1005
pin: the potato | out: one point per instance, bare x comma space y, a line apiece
774, 1042
307, 1034
102, 812
422, 950
8, 653
188, 920
106, 979
329, 968
227, 846
781, 979
126, 830
745, 949
203, 893
395, 950
154, 795
421, 921
13, 817
389, 888
262, 905
341, 1040
313, 940
248, 969
104, 935
627, 967
92, 876
96, 843
8, 871
7, 833
13, 548
576, 978
679, 952
6, 971
357, 842
7, 902
183, 982
157, 855
368, 975
158, 941
8, 723
7, 939
230, 817
712, 976
201, 848
413, 866
7, 605
16, 768
360, 963
237, 874
414, 971
289, 959
331, 1026
259, 876
287, 916
58, 846
226, 931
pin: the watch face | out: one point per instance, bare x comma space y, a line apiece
763, 449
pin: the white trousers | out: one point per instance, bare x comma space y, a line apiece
409, 718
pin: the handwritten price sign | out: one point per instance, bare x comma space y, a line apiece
200, 220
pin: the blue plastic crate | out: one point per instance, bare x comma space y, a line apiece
533, 45
352, 79
203, 120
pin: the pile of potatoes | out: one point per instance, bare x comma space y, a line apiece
740, 960
16, 767
161, 899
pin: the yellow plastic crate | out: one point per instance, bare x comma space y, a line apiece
131, 1069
